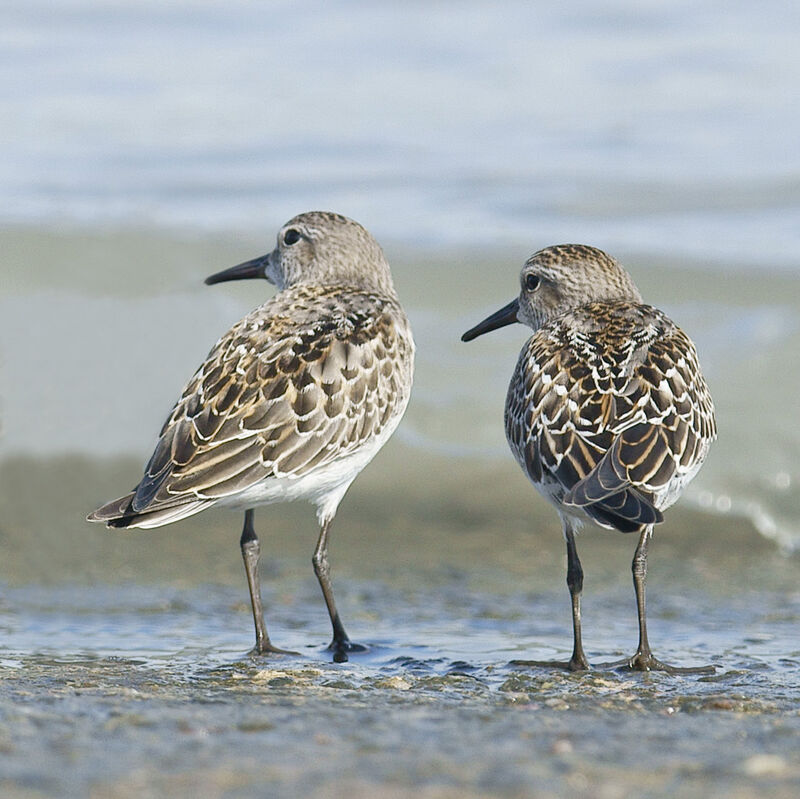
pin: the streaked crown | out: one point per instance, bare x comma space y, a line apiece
325, 248
566, 276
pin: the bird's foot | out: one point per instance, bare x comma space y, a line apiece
573, 664
267, 648
645, 661
341, 648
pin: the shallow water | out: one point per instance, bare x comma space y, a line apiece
124, 668
123, 728
132, 690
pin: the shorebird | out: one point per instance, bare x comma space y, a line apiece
607, 411
291, 403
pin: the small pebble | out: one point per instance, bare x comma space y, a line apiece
561, 746
764, 766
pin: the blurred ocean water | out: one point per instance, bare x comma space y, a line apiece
658, 127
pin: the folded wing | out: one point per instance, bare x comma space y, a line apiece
274, 399
612, 421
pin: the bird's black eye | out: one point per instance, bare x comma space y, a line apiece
291, 236
531, 282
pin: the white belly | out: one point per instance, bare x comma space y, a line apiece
323, 487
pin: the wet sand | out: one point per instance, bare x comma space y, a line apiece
120, 728
123, 665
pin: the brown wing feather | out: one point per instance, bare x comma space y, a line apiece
610, 415
280, 396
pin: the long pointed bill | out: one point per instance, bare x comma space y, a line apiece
505, 316
249, 269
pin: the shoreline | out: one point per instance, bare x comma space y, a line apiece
113, 322
460, 512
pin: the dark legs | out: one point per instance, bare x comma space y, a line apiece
578, 660
251, 549
341, 643
643, 660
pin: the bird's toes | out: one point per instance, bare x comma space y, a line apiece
342, 648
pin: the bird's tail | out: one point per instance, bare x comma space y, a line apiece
119, 513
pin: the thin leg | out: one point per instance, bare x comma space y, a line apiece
251, 550
644, 660
578, 660
341, 643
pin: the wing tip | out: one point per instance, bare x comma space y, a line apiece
609, 510
113, 511
119, 515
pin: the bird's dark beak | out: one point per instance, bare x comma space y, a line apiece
505, 316
249, 269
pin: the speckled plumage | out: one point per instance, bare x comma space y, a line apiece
607, 411
609, 414
296, 398
301, 382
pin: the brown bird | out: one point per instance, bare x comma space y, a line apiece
607, 411
291, 403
